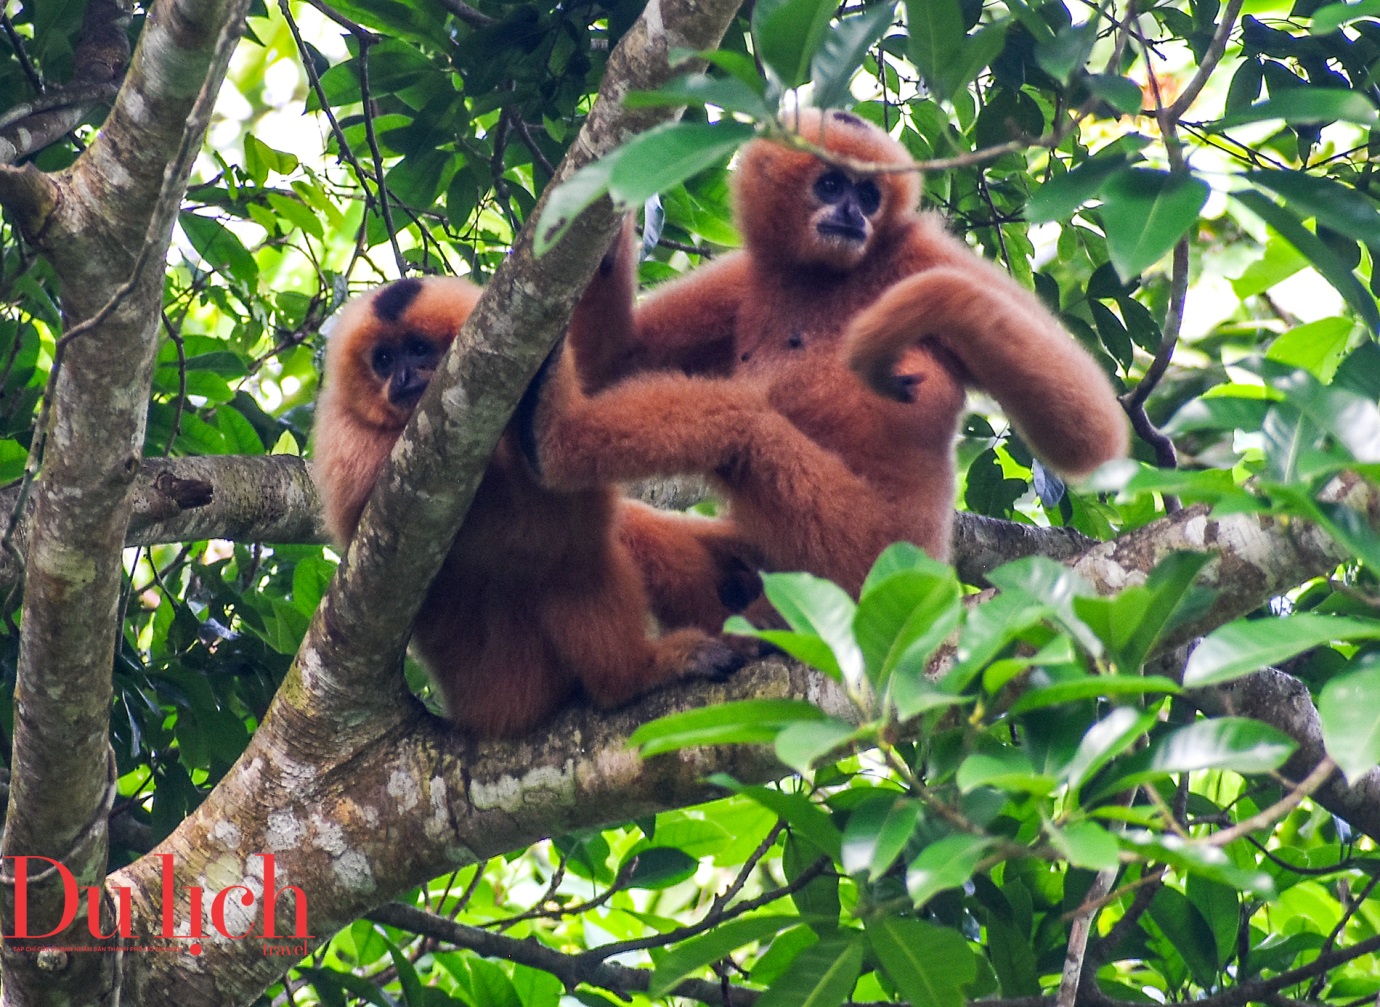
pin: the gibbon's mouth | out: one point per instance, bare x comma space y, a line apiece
830, 230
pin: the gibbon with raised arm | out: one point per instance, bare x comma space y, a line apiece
818, 375
539, 596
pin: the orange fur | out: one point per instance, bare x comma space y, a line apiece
819, 374
538, 597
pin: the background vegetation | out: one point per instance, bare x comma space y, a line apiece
1073, 805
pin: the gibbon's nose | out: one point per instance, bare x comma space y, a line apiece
406, 388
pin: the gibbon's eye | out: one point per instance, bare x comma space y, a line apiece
418, 349
382, 360
869, 196
831, 186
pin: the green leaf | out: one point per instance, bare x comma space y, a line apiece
1244, 646
1145, 212
1188, 932
1092, 687
569, 199
903, 617
802, 744
1005, 768
1061, 196
1068, 50
1317, 346
1235, 743
930, 966
1122, 93
877, 831
977, 51
728, 93
12, 459
843, 51
1304, 105
668, 155
1196, 857
937, 35
1333, 16
1338, 206
1087, 845
220, 248
698, 952
811, 605
823, 975
945, 863
1044, 581
658, 867
803, 815
787, 33
1130, 624
1104, 741
747, 721
1351, 730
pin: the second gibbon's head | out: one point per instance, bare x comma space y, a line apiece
387, 342
796, 210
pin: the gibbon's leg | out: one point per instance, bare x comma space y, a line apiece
1003, 337
494, 674
597, 631
697, 571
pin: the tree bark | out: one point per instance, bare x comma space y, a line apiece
104, 225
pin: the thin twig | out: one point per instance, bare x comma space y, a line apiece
1079, 929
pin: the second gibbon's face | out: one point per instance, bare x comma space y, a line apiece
387, 346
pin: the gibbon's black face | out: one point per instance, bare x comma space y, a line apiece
405, 367
849, 206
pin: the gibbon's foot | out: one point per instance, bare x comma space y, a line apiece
525, 415
739, 585
716, 660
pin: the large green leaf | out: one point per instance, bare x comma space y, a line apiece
945, 863
1144, 214
1347, 709
813, 607
929, 965
669, 154
1244, 646
1130, 624
1236, 743
843, 51
1304, 105
747, 721
788, 33
698, 952
568, 200
878, 830
823, 975
1339, 206
937, 35
1320, 256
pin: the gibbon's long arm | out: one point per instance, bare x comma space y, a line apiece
1009, 345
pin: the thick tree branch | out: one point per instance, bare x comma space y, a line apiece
272, 499
105, 230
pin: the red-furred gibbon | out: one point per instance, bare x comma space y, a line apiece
541, 594
818, 375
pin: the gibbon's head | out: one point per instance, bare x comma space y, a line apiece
387, 343
794, 209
